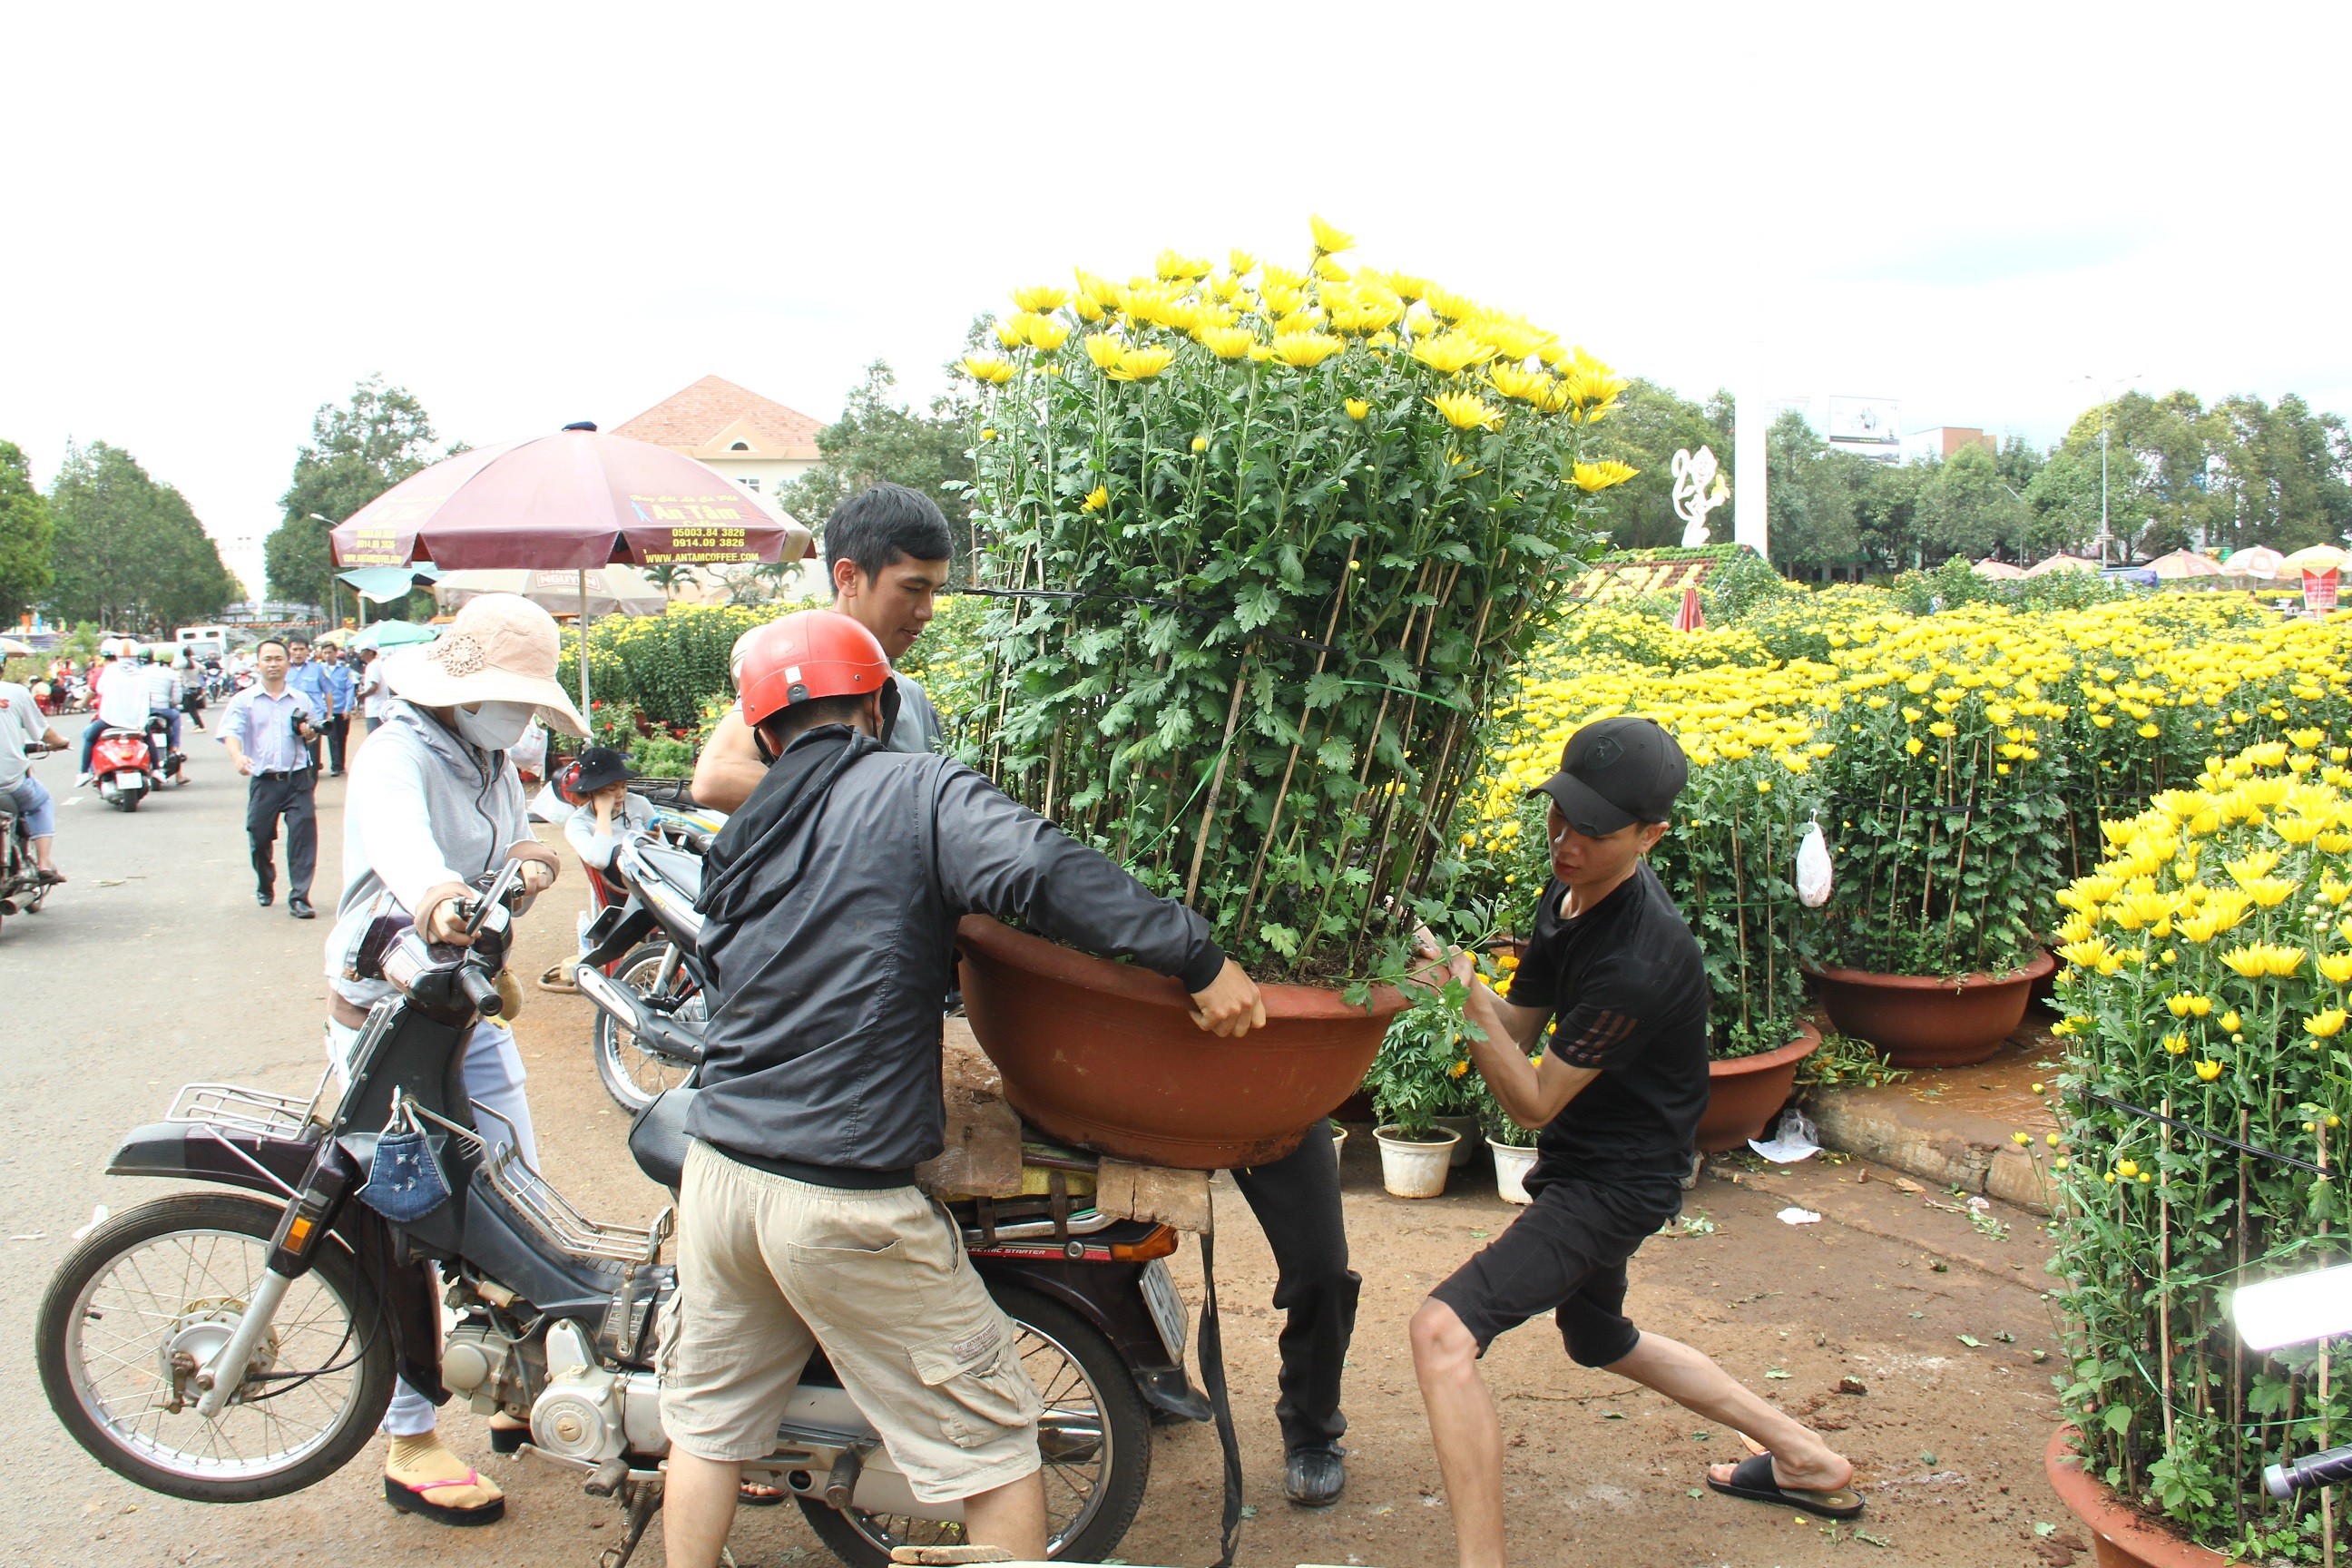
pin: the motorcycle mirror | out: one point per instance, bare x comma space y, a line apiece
508, 878
2294, 1309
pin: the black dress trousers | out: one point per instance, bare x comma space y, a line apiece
1297, 1200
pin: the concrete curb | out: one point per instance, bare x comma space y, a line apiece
1956, 1127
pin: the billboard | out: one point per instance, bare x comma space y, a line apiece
1866, 424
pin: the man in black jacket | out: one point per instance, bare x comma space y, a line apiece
830, 905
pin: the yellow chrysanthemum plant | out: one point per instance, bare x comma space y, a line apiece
1266, 545
2207, 957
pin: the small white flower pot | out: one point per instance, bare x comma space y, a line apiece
1465, 1127
1412, 1169
1338, 1143
1512, 1164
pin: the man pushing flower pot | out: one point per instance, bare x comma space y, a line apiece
1617, 1091
830, 905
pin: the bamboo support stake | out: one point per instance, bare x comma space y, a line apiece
2164, 1268
2327, 1494
1216, 783
1290, 764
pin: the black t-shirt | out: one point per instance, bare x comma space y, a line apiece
1627, 989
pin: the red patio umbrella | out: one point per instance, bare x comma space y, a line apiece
570, 501
1690, 617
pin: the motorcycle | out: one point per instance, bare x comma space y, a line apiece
22, 889
645, 939
228, 1347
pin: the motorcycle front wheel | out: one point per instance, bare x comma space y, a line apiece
1094, 1438
634, 1074
153, 1293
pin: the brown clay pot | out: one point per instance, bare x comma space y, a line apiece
2120, 1537
1743, 1094
1920, 1021
1107, 1055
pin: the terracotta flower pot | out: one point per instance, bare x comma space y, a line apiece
1742, 1094
1920, 1021
2121, 1537
1107, 1055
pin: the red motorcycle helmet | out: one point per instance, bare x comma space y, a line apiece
811, 654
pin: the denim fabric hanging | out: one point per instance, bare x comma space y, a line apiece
405, 1182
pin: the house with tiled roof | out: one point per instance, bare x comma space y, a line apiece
756, 441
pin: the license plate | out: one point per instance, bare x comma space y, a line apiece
1166, 1308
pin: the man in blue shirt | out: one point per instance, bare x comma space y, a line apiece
342, 695
309, 676
269, 729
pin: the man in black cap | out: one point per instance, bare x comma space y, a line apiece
1618, 1091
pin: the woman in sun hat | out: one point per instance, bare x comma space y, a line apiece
435, 803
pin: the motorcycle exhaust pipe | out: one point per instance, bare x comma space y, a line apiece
611, 999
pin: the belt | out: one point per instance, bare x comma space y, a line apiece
274, 773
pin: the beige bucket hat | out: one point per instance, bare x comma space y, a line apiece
500, 648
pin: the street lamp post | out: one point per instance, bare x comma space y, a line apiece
2106, 405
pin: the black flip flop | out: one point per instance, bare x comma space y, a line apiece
768, 1497
411, 1500
1753, 1481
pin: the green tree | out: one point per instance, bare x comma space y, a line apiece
1967, 508
130, 553
1649, 426
26, 536
356, 453
2157, 491
2276, 476
879, 437
1808, 500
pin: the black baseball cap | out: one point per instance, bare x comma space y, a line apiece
1614, 772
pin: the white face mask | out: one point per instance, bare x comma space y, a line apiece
495, 726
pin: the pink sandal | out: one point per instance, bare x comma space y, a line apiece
411, 1499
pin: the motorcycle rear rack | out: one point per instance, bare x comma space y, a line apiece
254, 1112
549, 1211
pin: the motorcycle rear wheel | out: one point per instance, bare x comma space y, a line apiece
127, 800
1091, 1497
178, 1270
634, 1075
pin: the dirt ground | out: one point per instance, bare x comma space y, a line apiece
1939, 1321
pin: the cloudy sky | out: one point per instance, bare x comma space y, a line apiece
218, 219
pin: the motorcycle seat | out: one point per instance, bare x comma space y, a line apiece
657, 1138
680, 869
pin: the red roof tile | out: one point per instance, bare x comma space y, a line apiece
694, 419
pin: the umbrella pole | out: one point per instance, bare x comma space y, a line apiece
583, 644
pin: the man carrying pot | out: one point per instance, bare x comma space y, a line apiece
830, 905
1618, 1091
887, 550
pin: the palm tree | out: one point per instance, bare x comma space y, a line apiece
669, 579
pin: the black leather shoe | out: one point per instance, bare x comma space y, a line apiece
262, 896
300, 909
1314, 1477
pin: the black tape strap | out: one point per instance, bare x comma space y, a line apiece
1212, 1372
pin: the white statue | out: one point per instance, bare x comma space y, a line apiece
1699, 489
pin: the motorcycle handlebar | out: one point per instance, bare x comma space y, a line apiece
480, 990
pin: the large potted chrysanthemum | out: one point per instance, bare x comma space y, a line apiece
1267, 543
2206, 1091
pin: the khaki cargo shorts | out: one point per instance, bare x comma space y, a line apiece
767, 1268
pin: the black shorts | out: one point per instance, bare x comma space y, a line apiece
1564, 1255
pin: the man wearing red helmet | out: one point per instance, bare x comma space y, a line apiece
830, 905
